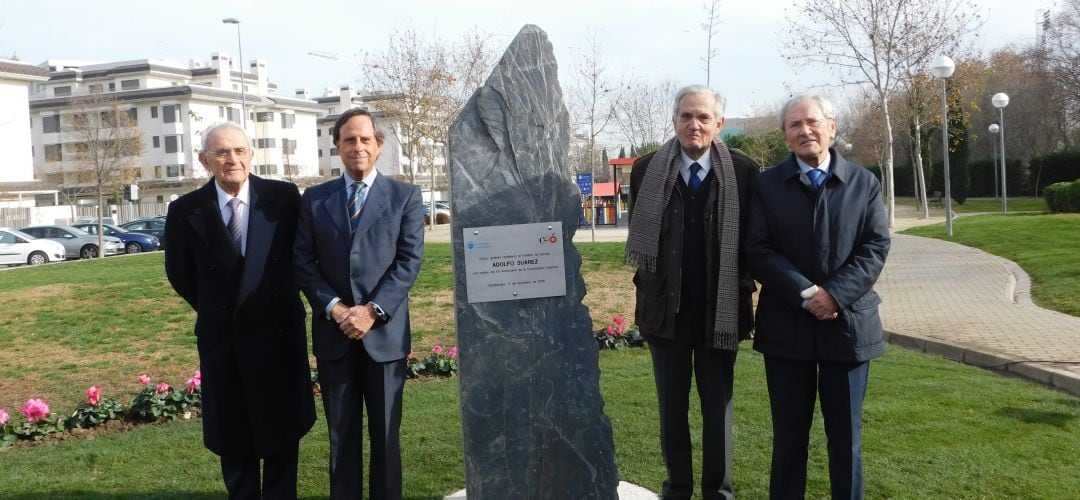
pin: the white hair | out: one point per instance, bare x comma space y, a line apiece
823, 103
221, 126
699, 89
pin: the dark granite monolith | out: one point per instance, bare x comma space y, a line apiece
532, 416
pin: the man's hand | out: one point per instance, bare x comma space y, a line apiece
822, 305
357, 320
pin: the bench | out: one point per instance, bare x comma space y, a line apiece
936, 198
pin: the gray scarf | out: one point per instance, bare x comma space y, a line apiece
643, 242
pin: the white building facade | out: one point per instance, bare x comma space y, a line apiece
172, 104
15, 142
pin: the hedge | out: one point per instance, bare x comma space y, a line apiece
1063, 196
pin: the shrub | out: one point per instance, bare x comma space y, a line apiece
439, 362
1063, 196
618, 336
1051, 168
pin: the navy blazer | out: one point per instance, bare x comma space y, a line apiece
378, 263
249, 327
838, 238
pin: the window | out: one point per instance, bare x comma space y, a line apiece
170, 113
266, 143
318, 132
287, 120
50, 124
161, 198
335, 172
157, 141
221, 111
62, 91
264, 116
320, 153
333, 151
157, 171
96, 88
174, 143
54, 152
174, 170
288, 146
133, 115
153, 111
129, 84
112, 86
292, 170
267, 169
234, 115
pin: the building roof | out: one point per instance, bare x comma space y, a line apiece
181, 91
34, 186
622, 161
21, 71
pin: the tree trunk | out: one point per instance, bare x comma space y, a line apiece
920, 175
887, 168
100, 234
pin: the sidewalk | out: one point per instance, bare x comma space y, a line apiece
957, 302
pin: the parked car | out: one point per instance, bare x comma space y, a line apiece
78, 244
17, 247
88, 220
154, 226
133, 242
442, 211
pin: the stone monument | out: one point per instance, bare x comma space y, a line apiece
532, 415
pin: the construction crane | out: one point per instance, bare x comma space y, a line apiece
354, 58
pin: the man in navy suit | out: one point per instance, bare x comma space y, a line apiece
359, 242
816, 239
230, 257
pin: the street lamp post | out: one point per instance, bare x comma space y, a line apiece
994, 128
1000, 100
942, 68
240, 46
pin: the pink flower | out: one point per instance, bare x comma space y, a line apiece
618, 320
162, 388
35, 409
437, 349
192, 385
93, 395
144, 379
3, 416
198, 377
452, 352
610, 331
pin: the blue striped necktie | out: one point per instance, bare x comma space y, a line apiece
817, 177
236, 233
356, 203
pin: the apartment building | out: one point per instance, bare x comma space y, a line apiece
15, 77
333, 103
172, 104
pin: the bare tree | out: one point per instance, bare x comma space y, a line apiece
1062, 54
107, 145
711, 25
880, 43
643, 115
591, 105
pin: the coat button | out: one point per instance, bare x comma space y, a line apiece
354, 275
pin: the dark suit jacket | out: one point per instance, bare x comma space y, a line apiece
838, 238
379, 263
658, 293
256, 391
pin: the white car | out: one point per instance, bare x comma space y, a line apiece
18, 248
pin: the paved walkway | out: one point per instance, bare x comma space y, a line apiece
957, 302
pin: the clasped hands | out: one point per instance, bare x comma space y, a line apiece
354, 321
818, 301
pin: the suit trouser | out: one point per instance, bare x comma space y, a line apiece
349, 385
241, 475
674, 362
793, 387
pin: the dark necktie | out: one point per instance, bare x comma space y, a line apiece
356, 203
695, 181
235, 231
817, 177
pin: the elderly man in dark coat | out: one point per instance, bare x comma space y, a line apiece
816, 239
693, 286
230, 257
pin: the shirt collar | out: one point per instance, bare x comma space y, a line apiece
704, 161
368, 179
824, 166
223, 197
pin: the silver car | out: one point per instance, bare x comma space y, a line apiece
78, 244
21, 248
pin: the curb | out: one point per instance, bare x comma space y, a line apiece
1040, 373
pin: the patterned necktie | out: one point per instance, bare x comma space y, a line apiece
235, 231
356, 203
817, 177
695, 180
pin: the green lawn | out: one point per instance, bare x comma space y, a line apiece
933, 428
977, 205
1047, 247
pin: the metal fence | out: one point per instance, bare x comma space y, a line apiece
124, 213
14, 217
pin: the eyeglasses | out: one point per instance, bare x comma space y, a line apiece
222, 153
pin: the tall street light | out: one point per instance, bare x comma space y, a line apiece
942, 68
240, 46
1000, 100
994, 128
